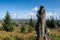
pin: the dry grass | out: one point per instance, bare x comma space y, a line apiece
55, 31
17, 33
26, 36
55, 34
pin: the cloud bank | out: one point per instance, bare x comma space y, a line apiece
35, 9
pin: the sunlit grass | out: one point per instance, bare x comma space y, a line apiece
17, 33
54, 34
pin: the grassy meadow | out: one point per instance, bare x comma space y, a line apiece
17, 35
55, 34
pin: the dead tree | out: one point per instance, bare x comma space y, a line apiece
41, 24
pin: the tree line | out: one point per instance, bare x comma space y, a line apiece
8, 25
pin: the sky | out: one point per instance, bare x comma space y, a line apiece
25, 9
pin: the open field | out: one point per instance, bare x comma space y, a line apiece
54, 34
16, 33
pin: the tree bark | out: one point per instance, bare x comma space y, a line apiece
40, 28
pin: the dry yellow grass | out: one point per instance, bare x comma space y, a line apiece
25, 36
55, 31
55, 34
17, 33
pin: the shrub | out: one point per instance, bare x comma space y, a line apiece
23, 28
30, 29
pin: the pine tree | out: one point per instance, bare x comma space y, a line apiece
48, 23
31, 25
52, 23
8, 25
23, 28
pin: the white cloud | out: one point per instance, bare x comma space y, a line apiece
31, 14
35, 9
49, 14
14, 14
55, 15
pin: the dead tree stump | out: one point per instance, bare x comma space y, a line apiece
41, 24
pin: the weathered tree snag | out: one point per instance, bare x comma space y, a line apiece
41, 22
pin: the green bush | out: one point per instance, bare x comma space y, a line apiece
23, 28
30, 29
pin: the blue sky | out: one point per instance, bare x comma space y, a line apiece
26, 8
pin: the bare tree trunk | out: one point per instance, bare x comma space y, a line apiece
41, 25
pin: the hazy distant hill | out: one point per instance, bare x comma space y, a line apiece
22, 20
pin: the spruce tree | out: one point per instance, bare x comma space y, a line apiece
53, 23
8, 25
31, 25
23, 28
48, 23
